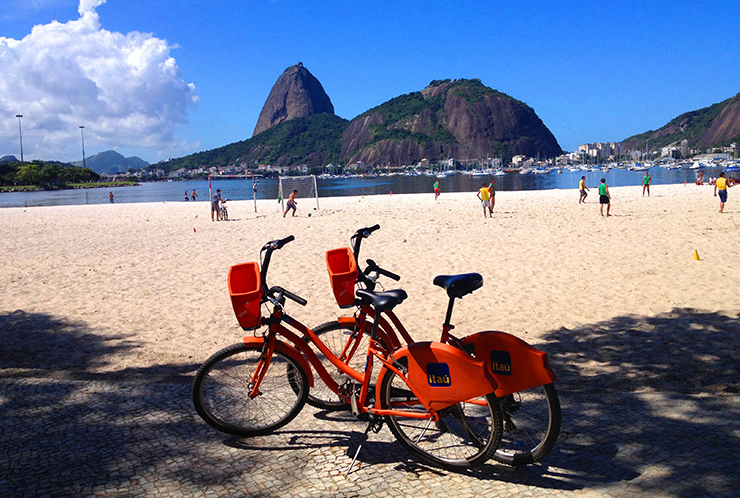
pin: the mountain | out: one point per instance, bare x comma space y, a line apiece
8, 159
296, 94
714, 126
448, 119
111, 162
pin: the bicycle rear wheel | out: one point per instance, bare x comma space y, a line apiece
351, 349
222, 385
531, 425
465, 436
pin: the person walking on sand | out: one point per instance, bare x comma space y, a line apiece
604, 197
485, 195
582, 188
436, 189
215, 199
646, 181
721, 186
186, 196
491, 196
194, 195
110, 197
292, 204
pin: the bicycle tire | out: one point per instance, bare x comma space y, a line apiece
531, 425
465, 437
335, 336
222, 383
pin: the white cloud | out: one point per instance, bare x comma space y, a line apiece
126, 89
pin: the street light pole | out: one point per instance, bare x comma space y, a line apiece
20, 133
82, 135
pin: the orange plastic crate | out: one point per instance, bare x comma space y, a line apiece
245, 289
343, 274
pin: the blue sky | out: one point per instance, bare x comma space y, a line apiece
166, 78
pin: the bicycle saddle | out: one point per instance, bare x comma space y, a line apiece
459, 285
381, 301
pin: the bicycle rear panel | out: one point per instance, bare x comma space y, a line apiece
441, 375
516, 366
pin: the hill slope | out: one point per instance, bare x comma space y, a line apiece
111, 162
716, 125
311, 140
448, 119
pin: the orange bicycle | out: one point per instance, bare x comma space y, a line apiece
437, 400
529, 400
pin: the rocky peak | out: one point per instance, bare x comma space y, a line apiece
297, 93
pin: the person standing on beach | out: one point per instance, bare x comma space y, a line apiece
646, 180
485, 195
292, 204
215, 199
604, 197
110, 197
721, 186
492, 196
186, 196
194, 195
436, 189
582, 188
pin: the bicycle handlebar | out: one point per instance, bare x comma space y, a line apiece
283, 292
373, 267
360, 234
267, 249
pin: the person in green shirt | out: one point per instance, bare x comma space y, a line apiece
646, 181
436, 189
604, 197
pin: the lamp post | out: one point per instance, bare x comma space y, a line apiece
20, 133
82, 135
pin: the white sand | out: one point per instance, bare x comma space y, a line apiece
153, 276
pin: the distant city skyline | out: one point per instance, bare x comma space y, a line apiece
170, 78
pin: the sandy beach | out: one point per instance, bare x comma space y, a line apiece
120, 288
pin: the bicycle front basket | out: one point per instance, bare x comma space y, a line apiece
245, 289
343, 274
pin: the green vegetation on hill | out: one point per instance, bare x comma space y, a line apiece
311, 140
400, 112
690, 126
44, 174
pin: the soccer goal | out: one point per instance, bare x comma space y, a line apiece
305, 185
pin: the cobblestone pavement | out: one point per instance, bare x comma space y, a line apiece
105, 437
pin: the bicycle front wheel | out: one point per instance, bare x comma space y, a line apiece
531, 425
223, 382
350, 348
465, 436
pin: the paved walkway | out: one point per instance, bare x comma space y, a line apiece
105, 437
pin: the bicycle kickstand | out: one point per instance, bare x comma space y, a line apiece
375, 426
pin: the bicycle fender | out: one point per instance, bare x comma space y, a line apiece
288, 351
515, 365
442, 375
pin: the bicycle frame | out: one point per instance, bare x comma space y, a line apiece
514, 364
471, 378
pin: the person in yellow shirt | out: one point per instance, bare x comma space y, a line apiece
582, 188
485, 199
720, 186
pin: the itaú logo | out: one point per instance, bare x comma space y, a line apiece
438, 375
501, 362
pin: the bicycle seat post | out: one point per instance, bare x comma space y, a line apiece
447, 326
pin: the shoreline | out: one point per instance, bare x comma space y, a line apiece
147, 281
